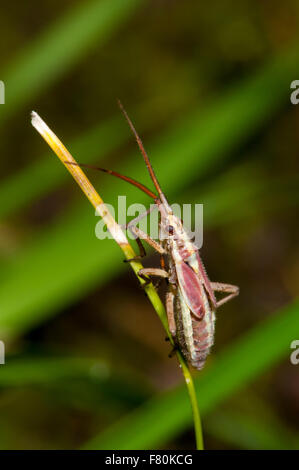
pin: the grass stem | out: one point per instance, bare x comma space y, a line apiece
120, 238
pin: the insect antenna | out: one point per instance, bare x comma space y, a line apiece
135, 183
142, 149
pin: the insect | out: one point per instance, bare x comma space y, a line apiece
190, 300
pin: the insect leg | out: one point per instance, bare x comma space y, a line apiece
142, 252
144, 236
163, 266
140, 216
232, 291
162, 261
170, 313
140, 234
145, 272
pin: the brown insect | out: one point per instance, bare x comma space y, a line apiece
190, 301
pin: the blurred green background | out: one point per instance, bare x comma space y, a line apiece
208, 87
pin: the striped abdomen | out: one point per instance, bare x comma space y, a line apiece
195, 336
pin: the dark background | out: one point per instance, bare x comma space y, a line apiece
208, 87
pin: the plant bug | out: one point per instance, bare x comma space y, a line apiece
190, 300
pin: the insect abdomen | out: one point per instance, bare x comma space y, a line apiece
195, 337
203, 337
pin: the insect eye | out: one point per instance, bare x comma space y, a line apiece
169, 229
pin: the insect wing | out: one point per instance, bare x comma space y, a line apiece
206, 281
191, 289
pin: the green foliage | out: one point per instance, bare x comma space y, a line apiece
60, 47
199, 157
160, 419
249, 431
201, 138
